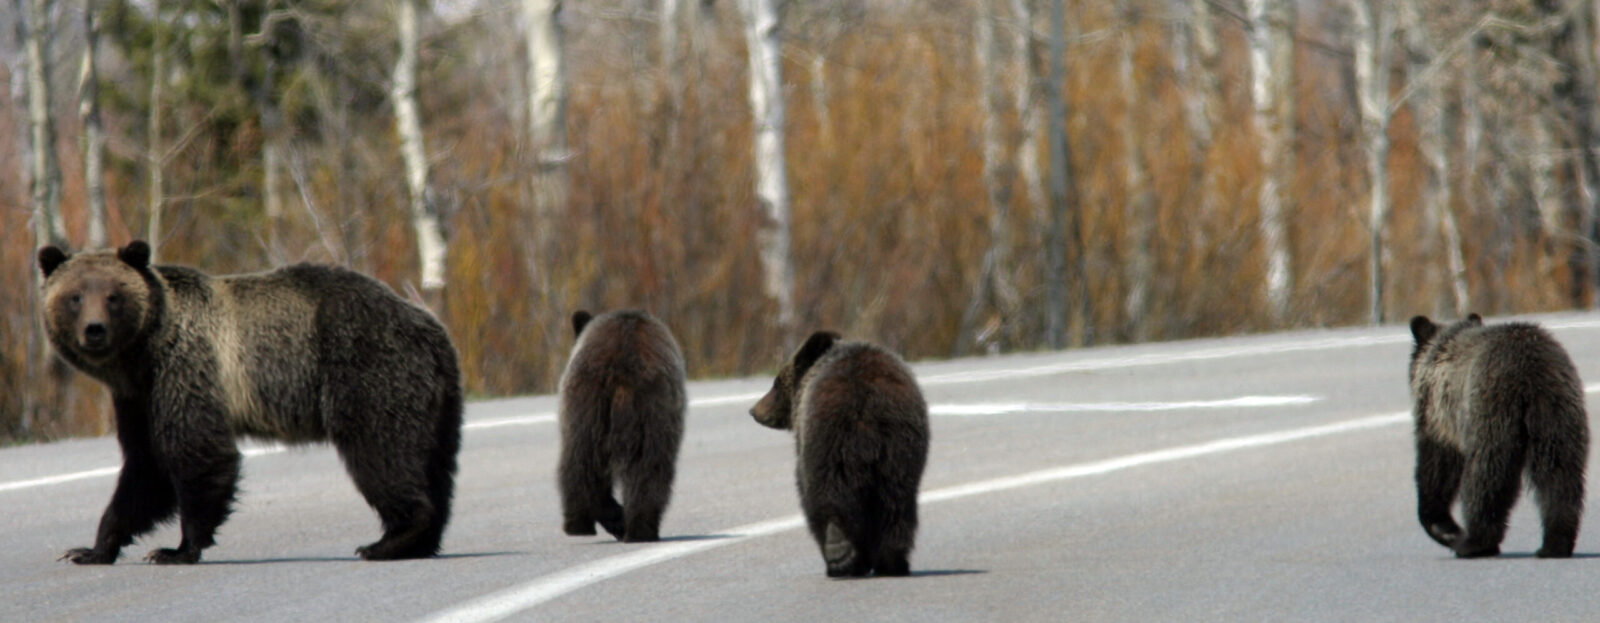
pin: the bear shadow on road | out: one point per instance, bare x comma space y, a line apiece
294, 559
601, 541
916, 573
1531, 556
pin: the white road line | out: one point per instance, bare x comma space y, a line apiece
504, 603
1006, 408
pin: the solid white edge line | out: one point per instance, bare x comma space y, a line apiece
506, 602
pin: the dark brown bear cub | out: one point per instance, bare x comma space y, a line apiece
861, 441
622, 402
1492, 403
304, 353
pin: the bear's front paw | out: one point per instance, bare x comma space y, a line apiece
1445, 533
1554, 552
89, 556
170, 556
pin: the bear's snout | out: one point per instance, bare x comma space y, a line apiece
96, 336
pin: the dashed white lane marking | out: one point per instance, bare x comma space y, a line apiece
504, 603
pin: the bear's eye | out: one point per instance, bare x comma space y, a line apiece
114, 301
75, 301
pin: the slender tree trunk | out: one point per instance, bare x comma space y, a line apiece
992, 288
94, 138
1434, 129
48, 224
1272, 82
763, 38
1030, 121
1372, 25
547, 126
1198, 57
1139, 203
272, 147
431, 247
155, 152
1065, 219
48, 375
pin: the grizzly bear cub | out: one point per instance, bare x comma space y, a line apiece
300, 354
861, 441
622, 402
1492, 403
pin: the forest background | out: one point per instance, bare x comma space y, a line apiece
945, 177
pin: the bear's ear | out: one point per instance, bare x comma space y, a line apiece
51, 258
1474, 319
815, 347
136, 254
580, 319
1423, 329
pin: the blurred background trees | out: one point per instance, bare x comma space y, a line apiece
944, 176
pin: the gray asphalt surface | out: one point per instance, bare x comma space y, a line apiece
1111, 484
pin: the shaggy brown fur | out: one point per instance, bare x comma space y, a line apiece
622, 404
861, 442
304, 353
1492, 403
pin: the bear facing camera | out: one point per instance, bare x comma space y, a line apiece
300, 354
622, 403
1491, 404
861, 441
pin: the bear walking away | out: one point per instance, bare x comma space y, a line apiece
622, 403
305, 353
861, 441
1492, 403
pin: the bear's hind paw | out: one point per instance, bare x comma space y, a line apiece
171, 556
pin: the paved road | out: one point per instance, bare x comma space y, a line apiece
1256, 478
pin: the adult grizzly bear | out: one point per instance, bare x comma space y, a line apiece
861, 440
1490, 404
622, 402
305, 353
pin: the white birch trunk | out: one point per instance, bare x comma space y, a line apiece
155, 158
1433, 132
992, 285
547, 124
1271, 42
1372, 25
1030, 123
49, 227
431, 248
94, 138
1197, 57
1138, 200
763, 40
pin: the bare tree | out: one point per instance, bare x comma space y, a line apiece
764, 42
1372, 28
993, 287
94, 137
1434, 129
155, 157
1028, 100
547, 124
1065, 218
431, 247
1271, 92
49, 227
1139, 202
1197, 57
